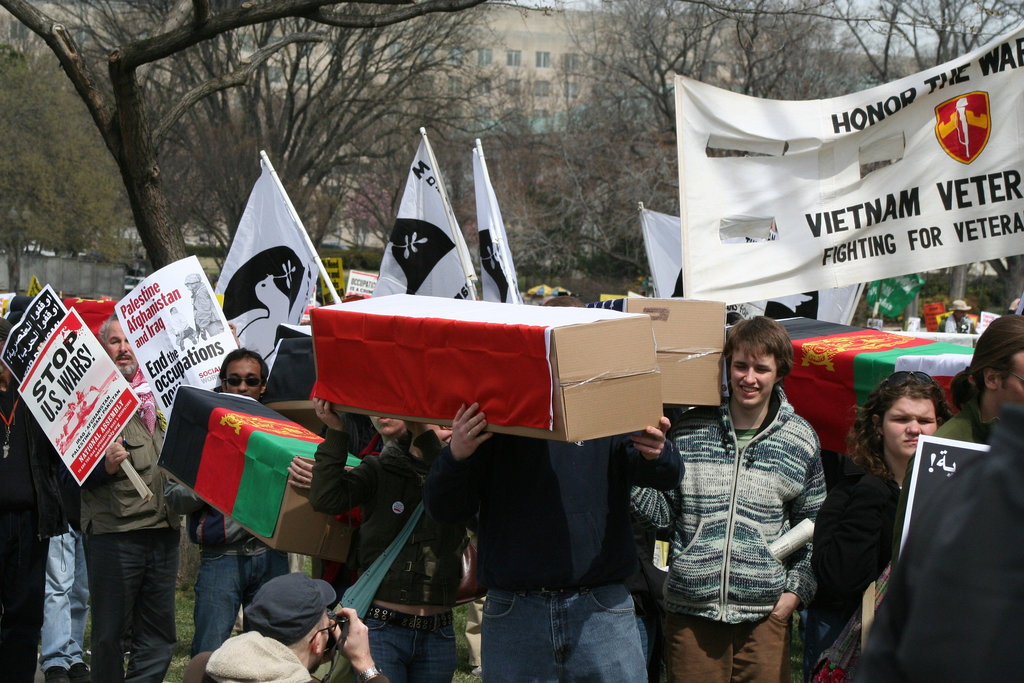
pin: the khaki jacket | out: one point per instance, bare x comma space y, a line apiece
115, 506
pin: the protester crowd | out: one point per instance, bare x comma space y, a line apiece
564, 535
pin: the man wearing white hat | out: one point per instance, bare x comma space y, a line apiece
958, 321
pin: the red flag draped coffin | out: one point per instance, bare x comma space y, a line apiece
835, 367
555, 373
234, 453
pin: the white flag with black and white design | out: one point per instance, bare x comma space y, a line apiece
497, 274
421, 256
664, 242
270, 271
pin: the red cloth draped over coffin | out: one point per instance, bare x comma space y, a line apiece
835, 367
422, 357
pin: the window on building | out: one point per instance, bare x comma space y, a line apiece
540, 113
455, 56
570, 62
571, 90
543, 60
484, 56
512, 86
513, 57
483, 114
483, 86
541, 88
396, 48
454, 85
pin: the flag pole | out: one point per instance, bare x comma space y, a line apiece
264, 159
497, 230
460, 241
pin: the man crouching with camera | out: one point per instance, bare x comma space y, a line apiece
289, 634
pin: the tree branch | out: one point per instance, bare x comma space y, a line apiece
230, 80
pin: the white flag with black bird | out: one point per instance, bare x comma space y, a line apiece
426, 253
497, 273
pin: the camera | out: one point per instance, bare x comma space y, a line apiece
341, 621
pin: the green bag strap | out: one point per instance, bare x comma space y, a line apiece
360, 594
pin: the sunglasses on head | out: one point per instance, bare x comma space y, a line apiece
250, 381
908, 375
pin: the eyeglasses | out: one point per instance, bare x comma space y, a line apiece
1017, 376
906, 375
249, 381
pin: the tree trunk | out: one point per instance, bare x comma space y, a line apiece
141, 173
957, 282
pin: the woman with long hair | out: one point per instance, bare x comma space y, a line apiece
854, 528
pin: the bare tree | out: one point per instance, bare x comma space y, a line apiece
122, 101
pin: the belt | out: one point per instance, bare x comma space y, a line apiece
251, 546
390, 616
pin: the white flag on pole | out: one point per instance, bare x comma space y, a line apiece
422, 255
498, 275
664, 243
271, 268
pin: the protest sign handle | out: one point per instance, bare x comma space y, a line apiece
136, 480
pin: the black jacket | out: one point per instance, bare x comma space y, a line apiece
388, 488
552, 514
852, 537
953, 608
45, 466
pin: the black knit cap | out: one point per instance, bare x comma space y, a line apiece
287, 607
5, 329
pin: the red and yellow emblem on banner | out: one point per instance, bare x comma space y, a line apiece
963, 124
242, 422
824, 351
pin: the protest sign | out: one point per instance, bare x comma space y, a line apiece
40, 319
360, 283
914, 175
77, 395
936, 461
178, 333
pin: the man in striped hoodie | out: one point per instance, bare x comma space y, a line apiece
753, 471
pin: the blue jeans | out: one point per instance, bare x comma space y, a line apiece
407, 655
822, 628
131, 581
585, 635
67, 602
225, 583
22, 571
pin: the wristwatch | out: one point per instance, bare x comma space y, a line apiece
364, 676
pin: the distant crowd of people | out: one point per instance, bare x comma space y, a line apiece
564, 534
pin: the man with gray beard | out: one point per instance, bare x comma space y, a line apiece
131, 543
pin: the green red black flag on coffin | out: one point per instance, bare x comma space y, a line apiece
835, 367
234, 453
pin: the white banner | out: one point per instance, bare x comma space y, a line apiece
422, 256
498, 275
77, 396
270, 271
663, 242
176, 329
814, 173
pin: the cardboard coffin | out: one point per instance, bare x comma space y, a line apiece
566, 374
234, 453
690, 336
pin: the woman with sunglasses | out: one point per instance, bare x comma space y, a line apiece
853, 530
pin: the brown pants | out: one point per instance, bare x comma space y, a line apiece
703, 650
